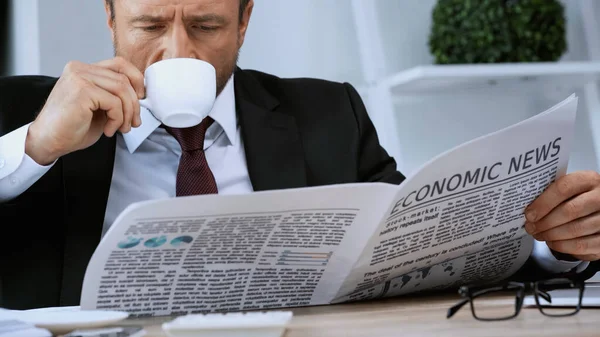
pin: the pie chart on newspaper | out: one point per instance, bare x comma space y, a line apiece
155, 242
181, 241
130, 242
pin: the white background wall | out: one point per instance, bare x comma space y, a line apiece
303, 38
72, 30
316, 38
24, 51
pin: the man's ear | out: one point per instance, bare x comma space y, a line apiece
244, 22
109, 18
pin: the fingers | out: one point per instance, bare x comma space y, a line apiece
123, 81
121, 66
587, 245
120, 88
123, 71
589, 257
567, 216
572, 209
561, 190
105, 102
577, 228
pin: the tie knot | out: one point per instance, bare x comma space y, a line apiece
191, 138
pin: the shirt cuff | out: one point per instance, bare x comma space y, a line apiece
18, 171
547, 261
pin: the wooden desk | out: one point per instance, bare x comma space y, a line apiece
417, 316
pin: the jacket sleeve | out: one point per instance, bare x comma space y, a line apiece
375, 165
532, 271
21, 99
35, 216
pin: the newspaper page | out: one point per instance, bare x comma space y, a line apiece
229, 253
460, 218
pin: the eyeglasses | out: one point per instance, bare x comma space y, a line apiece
485, 308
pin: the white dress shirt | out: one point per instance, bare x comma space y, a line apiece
146, 159
146, 162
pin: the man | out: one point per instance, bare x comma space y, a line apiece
66, 176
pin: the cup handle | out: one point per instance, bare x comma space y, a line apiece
146, 114
145, 103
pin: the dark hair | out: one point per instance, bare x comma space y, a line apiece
111, 5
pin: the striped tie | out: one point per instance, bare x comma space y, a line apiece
193, 175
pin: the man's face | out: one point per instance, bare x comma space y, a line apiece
147, 31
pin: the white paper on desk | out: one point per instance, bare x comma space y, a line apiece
460, 218
320, 245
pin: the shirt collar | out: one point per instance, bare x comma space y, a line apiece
223, 112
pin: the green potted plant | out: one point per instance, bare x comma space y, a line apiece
494, 31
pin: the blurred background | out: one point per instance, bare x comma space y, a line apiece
420, 108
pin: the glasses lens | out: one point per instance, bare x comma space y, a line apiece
558, 297
496, 305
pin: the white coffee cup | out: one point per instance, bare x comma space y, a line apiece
180, 92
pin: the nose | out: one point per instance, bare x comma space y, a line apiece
179, 44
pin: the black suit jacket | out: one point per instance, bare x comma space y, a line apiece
296, 132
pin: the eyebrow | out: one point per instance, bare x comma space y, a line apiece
206, 18
147, 19
203, 18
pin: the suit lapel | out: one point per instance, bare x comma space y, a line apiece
87, 177
271, 138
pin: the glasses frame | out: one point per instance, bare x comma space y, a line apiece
521, 289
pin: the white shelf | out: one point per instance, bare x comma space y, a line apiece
436, 79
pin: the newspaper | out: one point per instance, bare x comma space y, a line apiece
458, 220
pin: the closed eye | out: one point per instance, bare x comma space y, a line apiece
205, 28
152, 28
